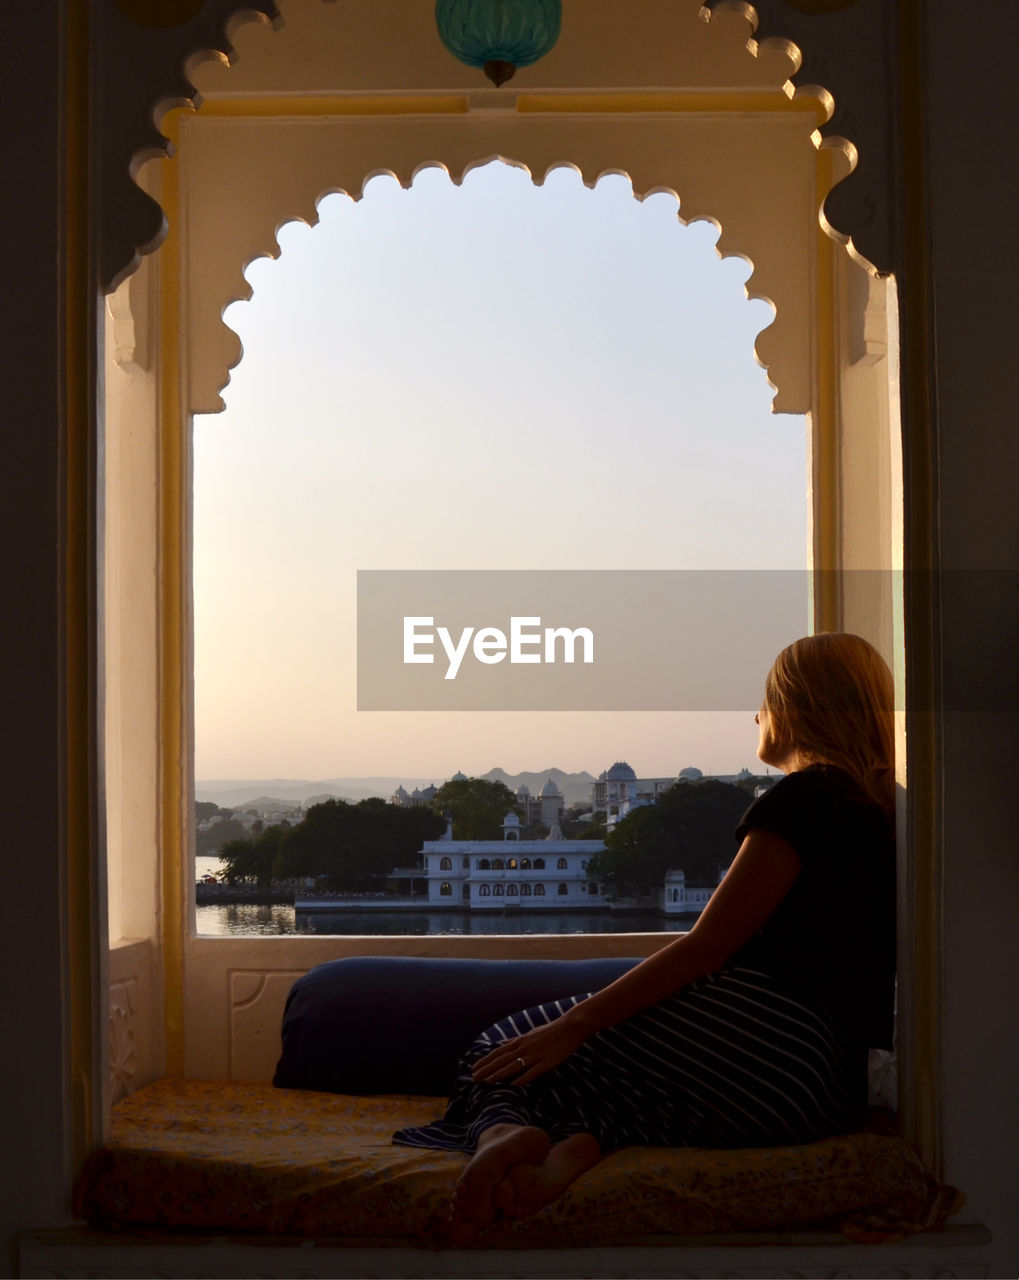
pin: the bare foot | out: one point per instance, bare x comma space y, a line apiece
536, 1185
483, 1189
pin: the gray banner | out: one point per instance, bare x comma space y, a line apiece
614, 640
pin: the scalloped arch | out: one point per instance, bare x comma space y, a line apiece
144, 73
851, 212
255, 175
230, 350
844, 53
846, 47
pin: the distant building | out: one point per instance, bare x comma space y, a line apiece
618, 790
491, 875
679, 899
531, 875
414, 799
547, 806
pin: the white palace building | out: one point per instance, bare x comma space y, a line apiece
533, 875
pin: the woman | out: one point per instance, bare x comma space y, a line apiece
753, 1028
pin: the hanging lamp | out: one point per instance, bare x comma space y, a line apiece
498, 35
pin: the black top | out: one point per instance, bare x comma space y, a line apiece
831, 940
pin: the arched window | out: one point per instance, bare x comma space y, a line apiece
539, 864
498, 891
466, 863
511, 863
216, 311
525, 864
512, 891
465, 892
539, 891
525, 891
583, 865
484, 864
446, 864
485, 891
561, 865
498, 864
563, 890
445, 890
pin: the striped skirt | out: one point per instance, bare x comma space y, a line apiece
730, 1060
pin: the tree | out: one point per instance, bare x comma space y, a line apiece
354, 847
582, 824
214, 837
206, 809
689, 829
477, 807
252, 859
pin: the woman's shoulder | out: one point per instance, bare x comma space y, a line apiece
808, 802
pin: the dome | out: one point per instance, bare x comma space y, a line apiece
415, 794
459, 777
550, 789
620, 772
401, 793
522, 791
429, 792
511, 820
690, 774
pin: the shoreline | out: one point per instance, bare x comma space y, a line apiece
207, 895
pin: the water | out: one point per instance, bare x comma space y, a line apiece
236, 920
241, 920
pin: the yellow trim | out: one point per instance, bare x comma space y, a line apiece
284, 106
921, 1104
690, 101
333, 104
84, 909
173, 550
825, 499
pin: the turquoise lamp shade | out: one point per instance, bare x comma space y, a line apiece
498, 35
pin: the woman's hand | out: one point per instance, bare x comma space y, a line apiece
529, 1056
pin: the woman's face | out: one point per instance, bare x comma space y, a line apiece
766, 752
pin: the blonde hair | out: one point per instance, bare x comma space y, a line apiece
830, 700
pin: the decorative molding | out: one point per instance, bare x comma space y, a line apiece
122, 1021
241, 179
847, 59
145, 71
256, 1000
140, 72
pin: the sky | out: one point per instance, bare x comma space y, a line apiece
493, 376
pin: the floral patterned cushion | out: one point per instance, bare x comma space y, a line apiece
253, 1158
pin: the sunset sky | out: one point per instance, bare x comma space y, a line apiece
495, 376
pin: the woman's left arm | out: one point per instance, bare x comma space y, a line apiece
761, 875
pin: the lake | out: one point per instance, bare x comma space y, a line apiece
232, 919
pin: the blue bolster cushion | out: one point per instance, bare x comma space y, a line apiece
398, 1024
